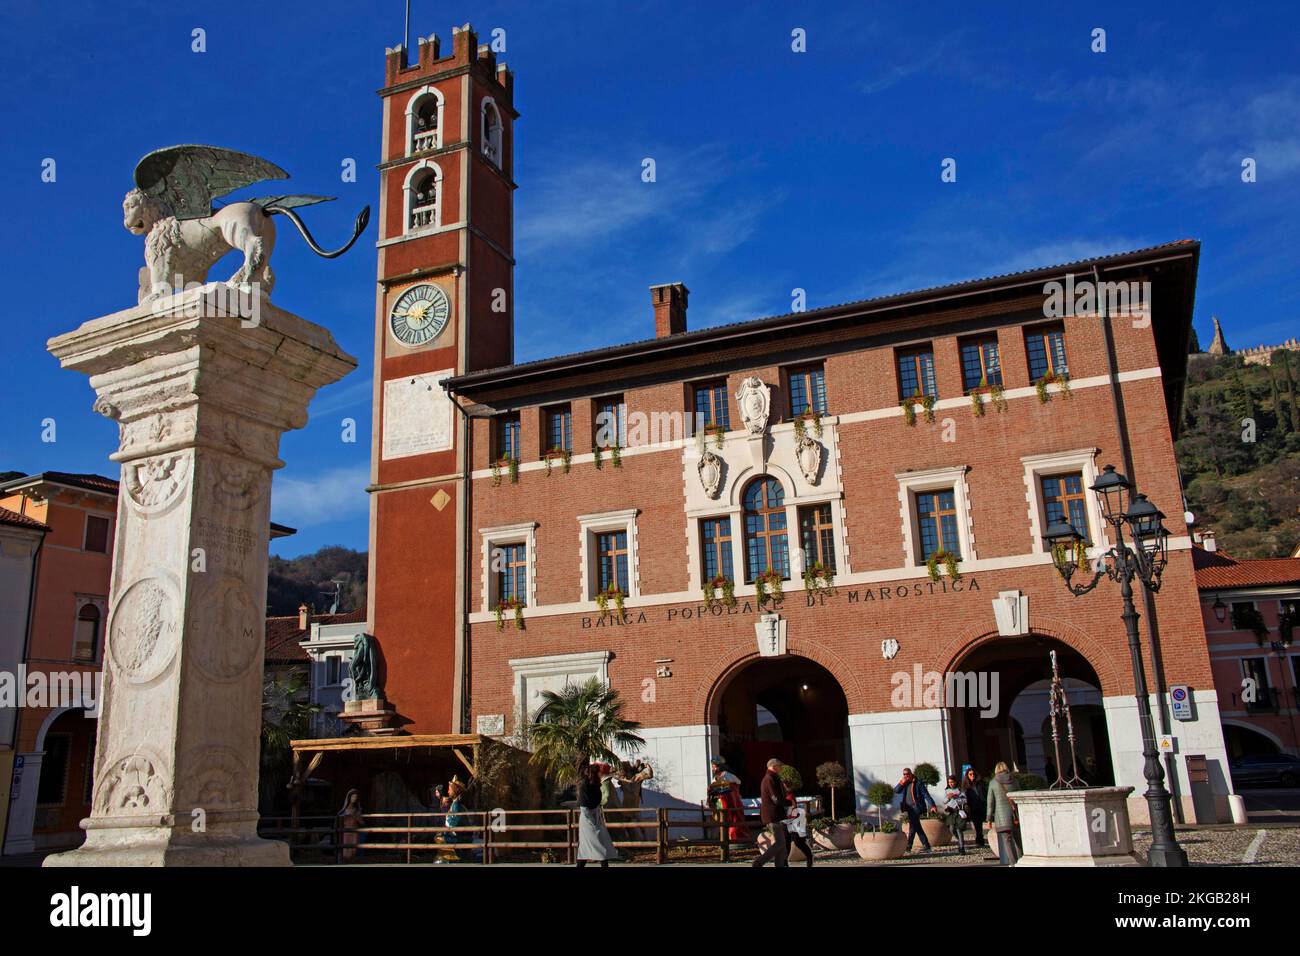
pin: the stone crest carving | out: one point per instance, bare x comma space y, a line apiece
132, 786
808, 452
154, 483
770, 631
754, 399
171, 207
710, 472
220, 781
1011, 611
232, 640
238, 484
889, 648
144, 633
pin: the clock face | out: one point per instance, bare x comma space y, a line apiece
419, 314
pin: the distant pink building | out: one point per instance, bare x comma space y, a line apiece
55, 745
52, 748
1250, 608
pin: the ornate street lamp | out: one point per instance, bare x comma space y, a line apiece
1220, 609
1143, 560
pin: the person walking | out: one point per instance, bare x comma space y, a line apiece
954, 807
977, 794
1001, 813
916, 802
793, 824
771, 806
594, 843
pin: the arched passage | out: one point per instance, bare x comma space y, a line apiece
67, 744
1243, 740
1014, 722
791, 708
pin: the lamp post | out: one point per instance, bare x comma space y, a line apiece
1220, 609
1143, 560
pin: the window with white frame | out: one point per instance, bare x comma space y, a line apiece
89, 631
491, 132
423, 191
608, 549
88, 628
935, 505
533, 676
424, 121
509, 564
1059, 484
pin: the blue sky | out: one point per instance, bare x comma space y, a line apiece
775, 169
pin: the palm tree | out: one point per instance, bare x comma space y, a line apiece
580, 722
285, 717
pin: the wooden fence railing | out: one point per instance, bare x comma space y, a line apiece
488, 836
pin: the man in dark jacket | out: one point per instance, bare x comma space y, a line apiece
771, 806
916, 800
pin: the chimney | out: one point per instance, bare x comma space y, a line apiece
669, 302
1208, 542
304, 617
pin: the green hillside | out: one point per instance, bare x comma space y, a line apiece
1246, 491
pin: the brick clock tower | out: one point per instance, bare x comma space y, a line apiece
444, 306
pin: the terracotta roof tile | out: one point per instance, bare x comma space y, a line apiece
284, 637
21, 521
90, 482
1218, 570
455, 383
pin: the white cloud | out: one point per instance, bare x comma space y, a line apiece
329, 495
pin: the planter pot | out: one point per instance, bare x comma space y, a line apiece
838, 836
874, 847
765, 840
936, 831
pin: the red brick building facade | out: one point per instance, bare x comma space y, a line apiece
1250, 609
512, 493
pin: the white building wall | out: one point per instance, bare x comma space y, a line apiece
680, 758
1204, 735
881, 745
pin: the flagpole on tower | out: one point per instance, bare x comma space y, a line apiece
406, 34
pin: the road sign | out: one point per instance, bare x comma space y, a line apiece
1180, 695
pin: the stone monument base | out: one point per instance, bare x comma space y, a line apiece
163, 843
373, 717
1085, 827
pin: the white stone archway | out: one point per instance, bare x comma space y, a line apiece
19, 833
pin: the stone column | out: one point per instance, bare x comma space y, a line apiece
201, 398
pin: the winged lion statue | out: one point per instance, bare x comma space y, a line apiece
185, 234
